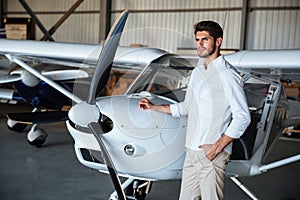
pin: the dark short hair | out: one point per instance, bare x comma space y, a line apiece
213, 28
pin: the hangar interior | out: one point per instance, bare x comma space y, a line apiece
168, 24
247, 24
163, 24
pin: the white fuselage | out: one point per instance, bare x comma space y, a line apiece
157, 139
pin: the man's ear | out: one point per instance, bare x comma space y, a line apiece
219, 41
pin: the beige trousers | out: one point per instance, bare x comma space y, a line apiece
203, 179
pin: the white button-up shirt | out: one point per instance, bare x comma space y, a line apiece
215, 103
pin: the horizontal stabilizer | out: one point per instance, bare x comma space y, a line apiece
38, 117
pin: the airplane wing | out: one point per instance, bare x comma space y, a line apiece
65, 61
68, 56
51, 52
71, 54
276, 65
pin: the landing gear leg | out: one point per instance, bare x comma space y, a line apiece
244, 188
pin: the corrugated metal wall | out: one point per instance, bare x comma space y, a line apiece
81, 27
168, 24
274, 24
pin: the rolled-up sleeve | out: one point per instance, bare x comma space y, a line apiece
174, 110
182, 108
239, 109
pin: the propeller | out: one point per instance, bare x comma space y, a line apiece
86, 114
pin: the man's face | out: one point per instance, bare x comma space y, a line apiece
205, 44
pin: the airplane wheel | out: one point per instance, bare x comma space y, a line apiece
36, 137
14, 126
139, 193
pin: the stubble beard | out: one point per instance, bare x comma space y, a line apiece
206, 53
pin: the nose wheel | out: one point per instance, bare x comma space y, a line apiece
134, 189
140, 189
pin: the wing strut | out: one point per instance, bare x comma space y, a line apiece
47, 80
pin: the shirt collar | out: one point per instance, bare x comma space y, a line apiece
215, 64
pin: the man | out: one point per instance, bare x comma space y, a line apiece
217, 114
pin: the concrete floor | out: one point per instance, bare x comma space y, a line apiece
53, 172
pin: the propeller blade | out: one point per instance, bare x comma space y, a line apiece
101, 73
96, 130
107, 55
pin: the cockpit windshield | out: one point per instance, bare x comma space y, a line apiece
167, 76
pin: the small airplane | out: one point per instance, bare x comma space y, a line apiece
61, 64
114, 136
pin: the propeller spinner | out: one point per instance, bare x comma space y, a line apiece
90, 120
